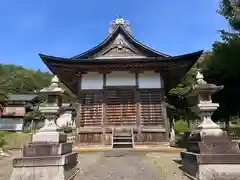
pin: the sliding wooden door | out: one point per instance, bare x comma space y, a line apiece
120, 106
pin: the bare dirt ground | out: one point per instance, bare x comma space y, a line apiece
117, 165
6, 165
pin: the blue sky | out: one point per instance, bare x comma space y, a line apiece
66, 28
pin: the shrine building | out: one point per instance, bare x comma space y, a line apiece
120, 86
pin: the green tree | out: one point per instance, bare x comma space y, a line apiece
230, 10
223, 66
178, 97
18, 80
34, 116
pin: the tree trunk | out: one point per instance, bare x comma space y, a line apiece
172, 131
188, 123
227, 121
32, 126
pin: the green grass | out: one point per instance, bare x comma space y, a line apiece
235, 131
182, 126
13, 140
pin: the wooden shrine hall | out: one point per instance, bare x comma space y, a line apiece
120, 86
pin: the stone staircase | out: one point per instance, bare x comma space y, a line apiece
122, 138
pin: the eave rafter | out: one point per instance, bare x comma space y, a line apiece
74, 69
172, 68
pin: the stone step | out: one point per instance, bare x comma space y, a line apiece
122, 145
123, 140
122, 135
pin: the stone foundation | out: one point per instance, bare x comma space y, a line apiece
219, 171
49, 156
66, 172
208, 166
99, 138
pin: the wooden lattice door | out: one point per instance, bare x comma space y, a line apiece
91, 109
151, 107
120, 107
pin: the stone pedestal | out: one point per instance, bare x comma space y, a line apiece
47, 157
212, 156
210, 151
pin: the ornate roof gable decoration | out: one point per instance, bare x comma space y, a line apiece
119, 48
120, 22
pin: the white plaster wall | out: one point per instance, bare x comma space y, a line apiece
120, 78
92, 80
149, 79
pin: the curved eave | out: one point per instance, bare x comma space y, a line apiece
50, 59
106, 42
178, 67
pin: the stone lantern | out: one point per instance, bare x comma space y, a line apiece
205, 108
53, 104
210, 151
48, 155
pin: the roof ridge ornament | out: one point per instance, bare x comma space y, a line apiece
120, 22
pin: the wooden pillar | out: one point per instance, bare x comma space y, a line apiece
164, 109
137, 98
79, 104
103, 125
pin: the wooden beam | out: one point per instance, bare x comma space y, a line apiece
103, 71
103, 122
137, 94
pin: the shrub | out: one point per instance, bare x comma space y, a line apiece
3, 142
181, 141
235, 131
181, 126
67, 129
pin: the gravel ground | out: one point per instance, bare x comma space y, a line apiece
168, 165
130, 166
116, 165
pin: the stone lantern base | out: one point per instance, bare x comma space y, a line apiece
47, 157
212, 156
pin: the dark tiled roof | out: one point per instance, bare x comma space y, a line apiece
108, 40
21, 97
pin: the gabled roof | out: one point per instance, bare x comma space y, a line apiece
108, 43
22, 97
120, 51
174, 67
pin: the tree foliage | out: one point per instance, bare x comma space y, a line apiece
178, 97
223, 66
33, 117
18, 80
230, 10
34, 114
